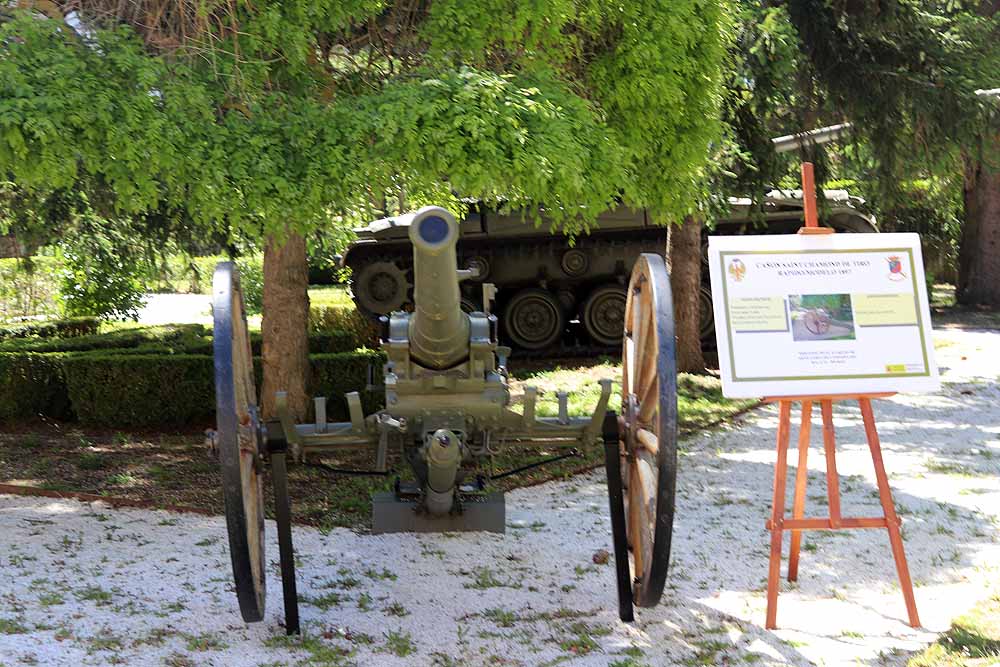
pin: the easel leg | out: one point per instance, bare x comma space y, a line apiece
801, 478
830, 448
889, 509
778, 513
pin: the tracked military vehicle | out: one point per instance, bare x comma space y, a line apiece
557, 299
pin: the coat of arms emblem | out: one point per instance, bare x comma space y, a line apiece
737, 270
895, 268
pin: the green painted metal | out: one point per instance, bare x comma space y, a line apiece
447, 400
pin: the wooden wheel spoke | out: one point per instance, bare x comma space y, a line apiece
648, 440
650, 420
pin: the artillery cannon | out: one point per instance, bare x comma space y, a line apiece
447, 412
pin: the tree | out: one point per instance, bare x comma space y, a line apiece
979, 258
277, 117
905, 74
684, 248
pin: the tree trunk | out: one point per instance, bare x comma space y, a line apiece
285, 324
685, 281
979, 256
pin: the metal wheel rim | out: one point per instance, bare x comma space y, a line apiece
601, 327
649, 433
545, 305
239, 442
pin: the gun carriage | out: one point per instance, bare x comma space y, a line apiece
447, 412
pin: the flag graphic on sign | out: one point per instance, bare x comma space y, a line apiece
895, 268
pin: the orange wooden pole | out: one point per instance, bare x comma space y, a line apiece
809, 194
889, 509
830, 448
778, 513
801, 478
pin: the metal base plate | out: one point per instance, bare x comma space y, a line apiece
394, 515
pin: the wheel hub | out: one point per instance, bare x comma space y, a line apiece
383, 286
609, 315
534, 320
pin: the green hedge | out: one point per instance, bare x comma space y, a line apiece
172, 337
33, 385
330, 319
140, 389
168, 339
53, 329
118, 389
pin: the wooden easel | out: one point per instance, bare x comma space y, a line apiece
778, 522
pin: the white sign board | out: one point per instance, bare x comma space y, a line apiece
821, 314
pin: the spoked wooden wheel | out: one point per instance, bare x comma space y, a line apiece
648, 427
238, 438
817, 322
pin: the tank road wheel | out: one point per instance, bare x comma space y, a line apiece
604, 314
381, 288
238, 438
575, 263
649, 426
534, 319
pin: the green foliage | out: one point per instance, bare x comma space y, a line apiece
140, 390
333, 375
344, 320
29, 287
280, 123
251, 270
902, 72
68, 328
145, 388
32, 385
99, 278
168, 338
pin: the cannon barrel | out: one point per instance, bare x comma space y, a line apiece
438, 330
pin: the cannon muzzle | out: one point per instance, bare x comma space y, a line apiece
439, 330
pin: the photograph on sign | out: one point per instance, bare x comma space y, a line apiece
821, 314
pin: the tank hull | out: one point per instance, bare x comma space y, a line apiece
554, 298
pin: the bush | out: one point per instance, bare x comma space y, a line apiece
152, 390
29, 287
166, 339
32, 385
344, 319
140, 390
171, 338
68, 328
333, 375
251, 270
99, 279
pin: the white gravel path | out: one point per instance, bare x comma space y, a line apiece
86, 585
176, 309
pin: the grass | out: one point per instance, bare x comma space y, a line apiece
973, 640
94, 594
11, 627
321, 654
175, 470
699, 397
334, 296
399, 643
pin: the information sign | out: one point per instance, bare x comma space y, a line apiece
821, 314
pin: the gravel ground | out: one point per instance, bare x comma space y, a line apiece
84, 584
